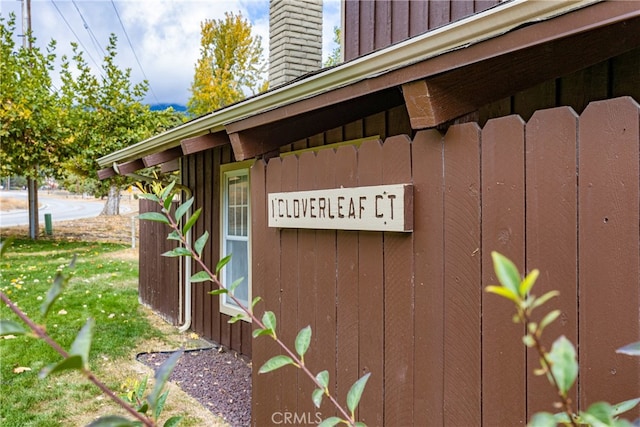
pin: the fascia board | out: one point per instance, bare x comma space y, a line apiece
465, 32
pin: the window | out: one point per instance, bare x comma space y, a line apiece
235, 235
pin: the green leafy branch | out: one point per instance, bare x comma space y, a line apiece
560, 364
266, 326
77, 358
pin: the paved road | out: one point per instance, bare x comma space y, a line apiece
61, 209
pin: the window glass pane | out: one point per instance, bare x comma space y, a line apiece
236, 268
231, 221
239, 231
238, 203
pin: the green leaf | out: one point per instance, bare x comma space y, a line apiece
160, 406
355, 392
316, 397
544, 298
543, 419
174, 235
154, 216
599, 413
173, 421
563, 363
148, 196
112, 421
179, 251
59, 282
71, 362
218, 292
166, 204
503, 292
143, 408
360, 424
627, 405
506, 272
548, 319
200, 276
330, 422
199, 244
255, 301
235, 284
528, 282
192, 220
142, 387
274, 363
9, 327
562, 418
183, 209
632, 349
235, 318
323, 378
303, 340
161, 377
259, 332
82, 344
166, 191
269, 320
224, 261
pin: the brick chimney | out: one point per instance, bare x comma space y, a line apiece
295, 39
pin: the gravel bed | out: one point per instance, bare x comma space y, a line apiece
219, 380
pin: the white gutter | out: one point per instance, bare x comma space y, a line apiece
475, 28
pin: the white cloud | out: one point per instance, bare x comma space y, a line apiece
165, 34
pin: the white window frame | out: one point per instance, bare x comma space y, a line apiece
226, 171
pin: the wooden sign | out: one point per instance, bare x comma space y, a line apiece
376, 208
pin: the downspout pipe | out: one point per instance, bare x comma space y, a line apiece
186, 303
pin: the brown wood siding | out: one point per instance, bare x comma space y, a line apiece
552, 209
616, 77
159, 284
608, 247
438, 347
503, 209
201, 173
373, 25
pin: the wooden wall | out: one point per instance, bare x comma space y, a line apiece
616, 77
201, 173
559, 193
373, 25
159, 284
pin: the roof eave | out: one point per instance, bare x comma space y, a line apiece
471, 30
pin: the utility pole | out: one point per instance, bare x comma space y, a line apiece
32, 182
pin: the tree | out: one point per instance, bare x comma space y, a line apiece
335, 57
230, 65
33, 131
107, 115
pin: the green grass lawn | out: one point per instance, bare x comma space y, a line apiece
103, 286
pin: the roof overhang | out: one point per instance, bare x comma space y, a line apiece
418, 72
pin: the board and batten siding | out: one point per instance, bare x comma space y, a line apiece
160, 285
376, 24
559, 192
201, 173
615, 77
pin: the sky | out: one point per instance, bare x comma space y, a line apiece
159, 40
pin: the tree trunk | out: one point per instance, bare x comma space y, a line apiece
112, 207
